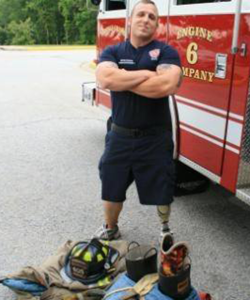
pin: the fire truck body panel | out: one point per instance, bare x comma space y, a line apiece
207, 61
212, 103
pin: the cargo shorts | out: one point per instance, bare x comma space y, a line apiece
147, 160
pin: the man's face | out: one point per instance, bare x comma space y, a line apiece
144, 21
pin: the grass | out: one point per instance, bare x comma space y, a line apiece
50, 47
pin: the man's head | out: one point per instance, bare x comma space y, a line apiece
144, 21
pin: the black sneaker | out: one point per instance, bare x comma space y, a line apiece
107, 234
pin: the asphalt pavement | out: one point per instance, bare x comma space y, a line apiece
50, 145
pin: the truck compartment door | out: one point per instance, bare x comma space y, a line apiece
202, 32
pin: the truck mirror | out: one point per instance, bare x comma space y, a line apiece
95, 2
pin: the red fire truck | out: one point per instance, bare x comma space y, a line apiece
211, 112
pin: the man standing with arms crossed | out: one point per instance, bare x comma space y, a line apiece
140, 73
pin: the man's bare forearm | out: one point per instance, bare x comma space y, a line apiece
154, 88
162, 84
119, 79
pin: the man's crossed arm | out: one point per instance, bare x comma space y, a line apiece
109, 76
164, 81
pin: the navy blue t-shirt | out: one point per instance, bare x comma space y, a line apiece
129, 109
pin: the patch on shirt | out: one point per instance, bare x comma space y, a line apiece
154, 54
126, 62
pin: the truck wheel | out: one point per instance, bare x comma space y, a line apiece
189, 181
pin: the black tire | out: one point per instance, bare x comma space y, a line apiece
189, 181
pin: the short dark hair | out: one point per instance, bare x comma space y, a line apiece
143, 2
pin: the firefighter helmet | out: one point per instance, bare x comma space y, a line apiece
88, 262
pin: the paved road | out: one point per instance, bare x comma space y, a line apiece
50, 144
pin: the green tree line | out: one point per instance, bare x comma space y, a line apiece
30, 22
